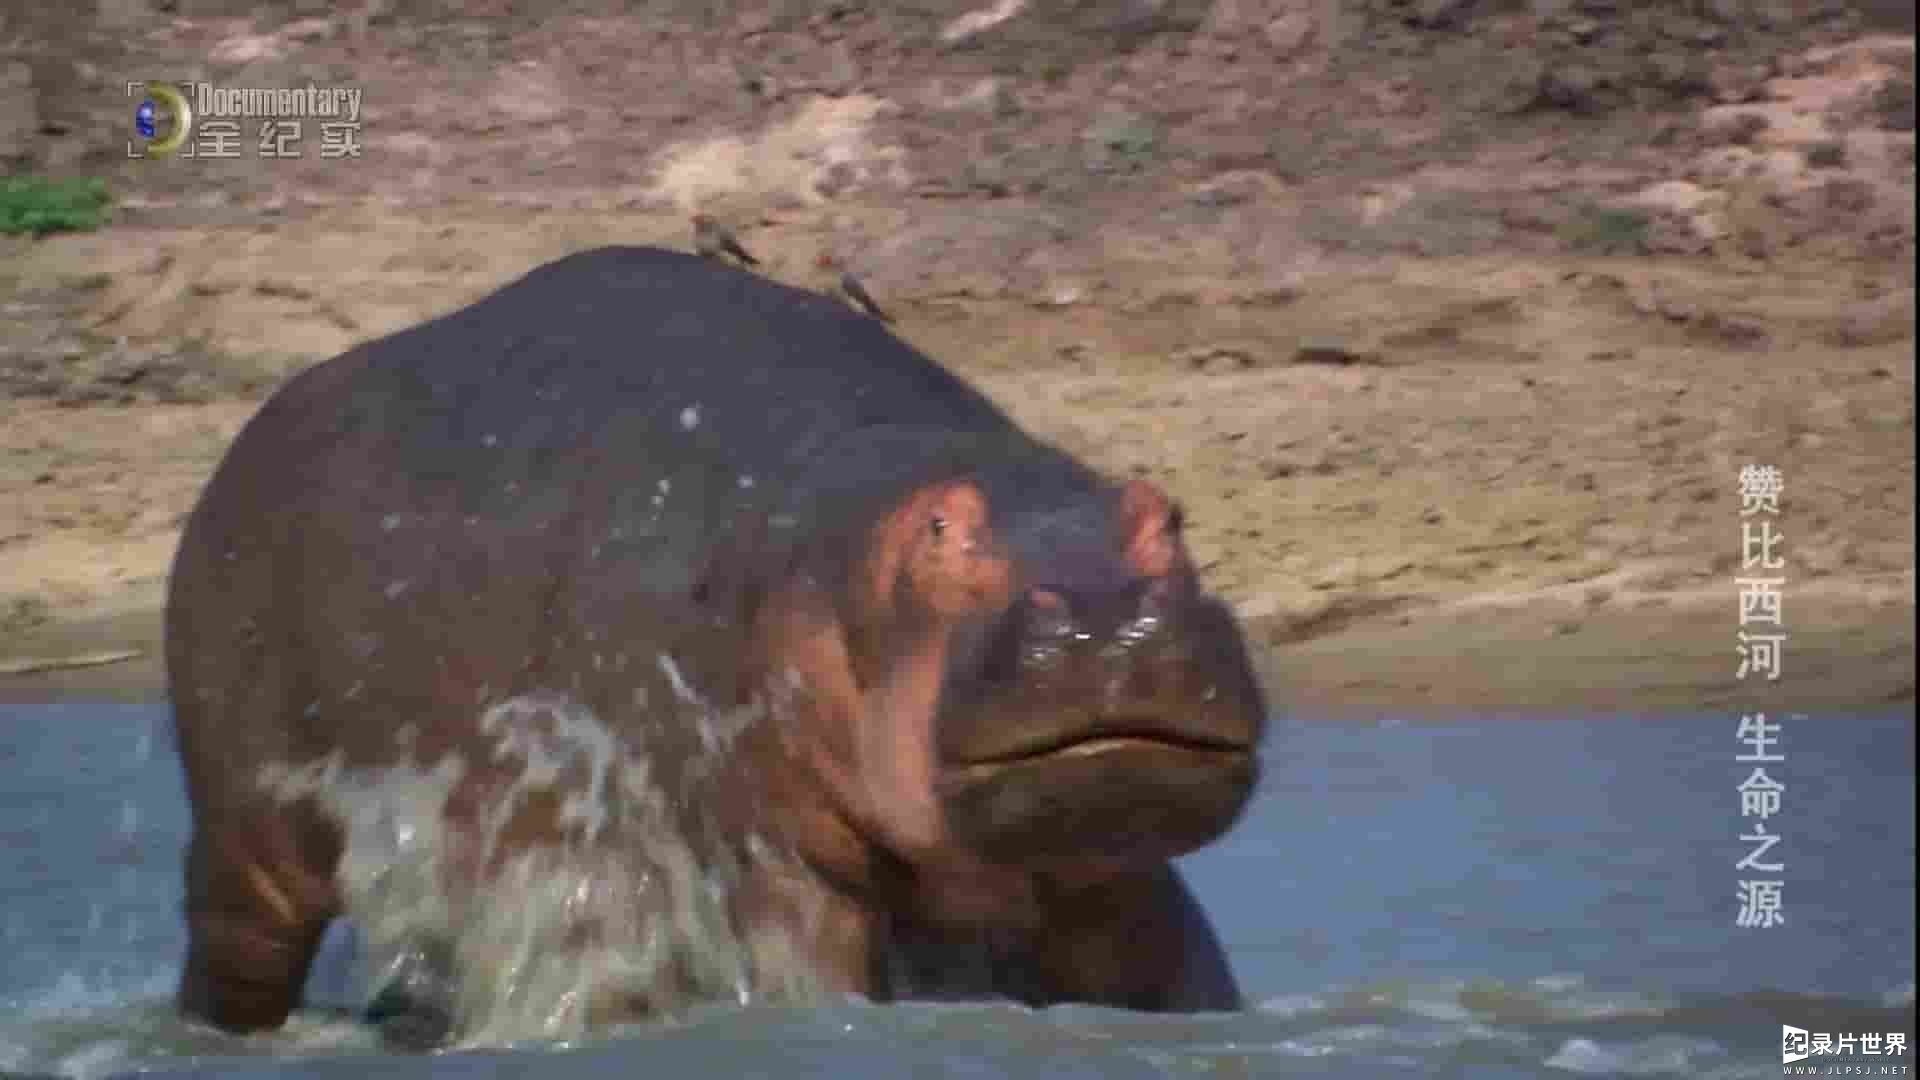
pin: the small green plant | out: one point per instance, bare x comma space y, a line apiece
1893, 104
1606, 230
1826, 155
24, 612
1120, 140
38, 204
1055, 72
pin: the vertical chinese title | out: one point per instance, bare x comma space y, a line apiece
1760, 649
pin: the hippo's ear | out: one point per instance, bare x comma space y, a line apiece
1150, 524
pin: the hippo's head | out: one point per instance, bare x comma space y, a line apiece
985, 649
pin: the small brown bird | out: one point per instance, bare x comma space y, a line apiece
850, 288
712, 239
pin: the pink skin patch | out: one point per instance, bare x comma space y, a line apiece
943, 554
866, 701
934, 562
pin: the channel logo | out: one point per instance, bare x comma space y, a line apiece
162, 120
1799, 1044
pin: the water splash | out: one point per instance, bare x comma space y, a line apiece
1659, 1055
88, 1027
129, 818
587, 883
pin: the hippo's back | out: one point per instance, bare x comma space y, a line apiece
441, 512
631, 344
759, 361
622, 382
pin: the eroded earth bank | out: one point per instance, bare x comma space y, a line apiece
1452, 323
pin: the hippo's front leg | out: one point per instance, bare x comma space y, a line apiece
255, 917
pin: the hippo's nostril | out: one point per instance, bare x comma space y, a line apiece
1128, 612
1046, 600
1149, 604
1156, 599
1048, 615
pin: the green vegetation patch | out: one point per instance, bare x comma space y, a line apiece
39, 204
1606, 230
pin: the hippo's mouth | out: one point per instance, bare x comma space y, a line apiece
1120, 788
1107, 735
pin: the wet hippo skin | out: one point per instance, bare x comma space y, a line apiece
995, 702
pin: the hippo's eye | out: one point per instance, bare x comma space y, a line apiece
938, 526
1176, 518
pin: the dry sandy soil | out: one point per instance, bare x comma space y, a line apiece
1456, 375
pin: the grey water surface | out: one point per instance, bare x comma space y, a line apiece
1506, 897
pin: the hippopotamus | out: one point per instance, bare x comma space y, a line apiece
996, 701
